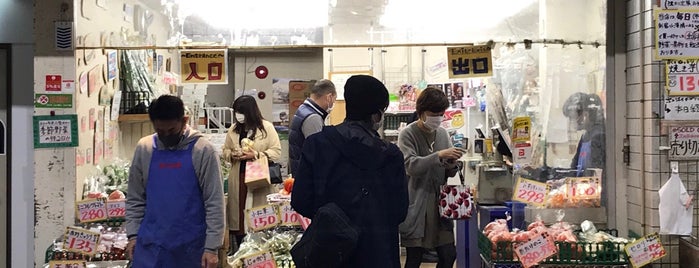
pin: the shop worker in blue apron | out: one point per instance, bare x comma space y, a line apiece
174, 207
586, 113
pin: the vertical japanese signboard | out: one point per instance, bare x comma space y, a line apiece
204, 66
677, 36
684, 142
470, 61
55, 131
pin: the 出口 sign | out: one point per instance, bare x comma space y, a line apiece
205, 66
55, 131
684, 142
469, 61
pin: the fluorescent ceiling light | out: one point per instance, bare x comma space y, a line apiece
260, 14
449, 13
354, 12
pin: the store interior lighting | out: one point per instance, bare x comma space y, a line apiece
260, 14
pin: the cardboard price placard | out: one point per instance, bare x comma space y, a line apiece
530, 192
537, 249
91, 210
262, 218
584, 188
67, 264
81, 241
645, 250
116, 208
263, 259
289, 217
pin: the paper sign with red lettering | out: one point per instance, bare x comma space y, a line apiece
91, 210
289, 217
584, 188
67, 264
116, 208
80, 240
645, 250
262, 218
264, 259
537, 249
53, 82
530, 192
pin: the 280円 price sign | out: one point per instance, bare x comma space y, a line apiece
537, 249
262, 218
469, 61
80, 240
91, 210
530, 192
645, 250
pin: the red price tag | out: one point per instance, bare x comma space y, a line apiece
80, 240
91, 210
305, 222
67, 264
645, 250
116, 208
263, 259
289, 217
584, 188
262, 218
535, 250
530, 192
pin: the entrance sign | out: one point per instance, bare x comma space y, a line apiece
205, 66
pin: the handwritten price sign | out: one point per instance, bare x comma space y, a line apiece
584, 188
530, 192
80, 240
645, 250
67, 264
91, 210
262, 218
535, 250
116, 208
263, 259
289, 217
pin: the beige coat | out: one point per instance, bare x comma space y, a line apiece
258, 197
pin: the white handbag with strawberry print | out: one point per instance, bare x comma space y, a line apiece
456, 201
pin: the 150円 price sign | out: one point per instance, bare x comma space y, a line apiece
263, 217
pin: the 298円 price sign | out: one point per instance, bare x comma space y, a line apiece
263, 259
645, 250
535, 250
262, 218
91, 210
530, 192
55, 131
116, 208
289, 217
80, 240
469, 61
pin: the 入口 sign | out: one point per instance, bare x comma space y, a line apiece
469, 61
206, 66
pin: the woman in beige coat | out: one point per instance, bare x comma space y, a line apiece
248, 123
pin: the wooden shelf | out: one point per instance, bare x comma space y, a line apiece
133, 118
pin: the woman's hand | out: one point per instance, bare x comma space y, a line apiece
451, 153
246, 155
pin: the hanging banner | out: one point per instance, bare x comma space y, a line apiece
55, 131
684, 142
682, 77
681, 108
645, 250
676, 32
469, 61
206, 66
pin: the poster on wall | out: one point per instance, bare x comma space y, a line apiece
94, 80
55, 131
53, 100
470, 61
298, 92
280, 106
678, 4
112, 65
677, 36
99, 137
455, 94
682, 108
682, 77
684, 142
204, 66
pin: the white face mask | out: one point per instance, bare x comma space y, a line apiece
433, 122
330, 109
240, 118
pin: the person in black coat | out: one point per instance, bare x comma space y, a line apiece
587, 112
341, 161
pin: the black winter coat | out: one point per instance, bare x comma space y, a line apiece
330, 168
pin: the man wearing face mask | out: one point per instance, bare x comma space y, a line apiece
310, 118
430, 158
174, 210
351, 166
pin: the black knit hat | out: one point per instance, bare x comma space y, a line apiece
364, 96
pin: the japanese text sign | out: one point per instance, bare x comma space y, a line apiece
53, 82
537, 249
645, 250
682, 77
289, 217
264, 259
675, 4
681, 108
53, 100
116, 208
55, 131
521, 129
676, 32
80, 240
469, 61
67, 264
584, 188
262, 218
91, 210
684, 142
530, 192
208, 66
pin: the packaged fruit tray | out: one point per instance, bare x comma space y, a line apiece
580, 253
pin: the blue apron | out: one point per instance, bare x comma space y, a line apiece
584, 157
173, 231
